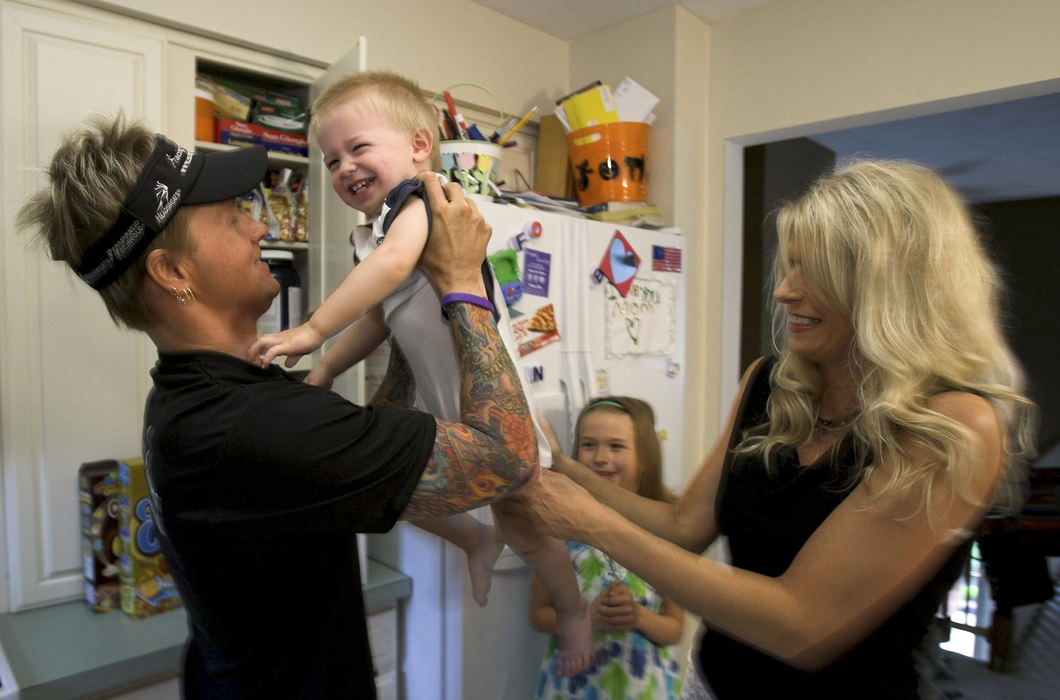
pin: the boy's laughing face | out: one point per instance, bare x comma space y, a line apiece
366, 156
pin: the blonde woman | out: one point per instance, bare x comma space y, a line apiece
854, 468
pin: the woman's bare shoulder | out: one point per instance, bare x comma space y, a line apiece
971, 410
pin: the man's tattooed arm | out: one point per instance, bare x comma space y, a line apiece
493, 450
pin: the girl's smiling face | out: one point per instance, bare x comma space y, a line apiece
607, 447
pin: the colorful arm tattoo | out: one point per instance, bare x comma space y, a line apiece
493, 450
398, 388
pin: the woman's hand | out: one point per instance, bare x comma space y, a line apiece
564, 509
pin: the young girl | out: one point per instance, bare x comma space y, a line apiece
376, 133
633, 625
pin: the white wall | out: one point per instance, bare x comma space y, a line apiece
666, 51
806, 66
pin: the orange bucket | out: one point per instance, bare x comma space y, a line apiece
610, 162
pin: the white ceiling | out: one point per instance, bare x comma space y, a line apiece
1005, 151
573, 19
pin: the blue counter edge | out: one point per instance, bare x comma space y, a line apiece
66, 650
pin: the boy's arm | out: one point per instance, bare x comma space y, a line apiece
398, 388
359, 340
366, 285
378, 275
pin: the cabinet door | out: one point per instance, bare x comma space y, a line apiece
330, 222
72, 385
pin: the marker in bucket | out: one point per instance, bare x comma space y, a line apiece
457, 117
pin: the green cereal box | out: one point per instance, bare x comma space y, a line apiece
100, 545
147, 587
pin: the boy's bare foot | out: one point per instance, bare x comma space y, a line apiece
480, 561
574, 640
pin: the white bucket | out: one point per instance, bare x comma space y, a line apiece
473, 164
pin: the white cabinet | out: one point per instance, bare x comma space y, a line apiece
72, 386
383, 636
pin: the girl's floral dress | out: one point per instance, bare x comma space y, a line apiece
626, 665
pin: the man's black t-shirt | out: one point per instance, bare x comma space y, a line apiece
259, 483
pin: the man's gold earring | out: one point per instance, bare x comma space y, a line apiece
184, 298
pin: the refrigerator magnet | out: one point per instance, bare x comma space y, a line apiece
531, 229
603, 381
506, 269
620, 263
535, 331
665, 258
537, 266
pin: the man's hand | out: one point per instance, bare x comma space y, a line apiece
452, 258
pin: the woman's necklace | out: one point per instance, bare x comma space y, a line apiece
823, 425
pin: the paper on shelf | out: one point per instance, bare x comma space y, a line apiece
633, 102
591, 107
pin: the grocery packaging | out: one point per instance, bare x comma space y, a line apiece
100, 544
241, 133
147, 587
272, 115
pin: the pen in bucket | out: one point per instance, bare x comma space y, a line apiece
519, 125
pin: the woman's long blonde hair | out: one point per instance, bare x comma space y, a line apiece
892, 247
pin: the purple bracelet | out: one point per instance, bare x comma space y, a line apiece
466, 298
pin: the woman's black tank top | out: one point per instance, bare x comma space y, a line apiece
767, 518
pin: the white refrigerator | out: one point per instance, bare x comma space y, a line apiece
599, 310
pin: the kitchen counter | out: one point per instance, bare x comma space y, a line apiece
66, 650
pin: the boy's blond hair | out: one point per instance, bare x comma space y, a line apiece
398, 99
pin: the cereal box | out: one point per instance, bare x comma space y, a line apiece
100, 544
146, 585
